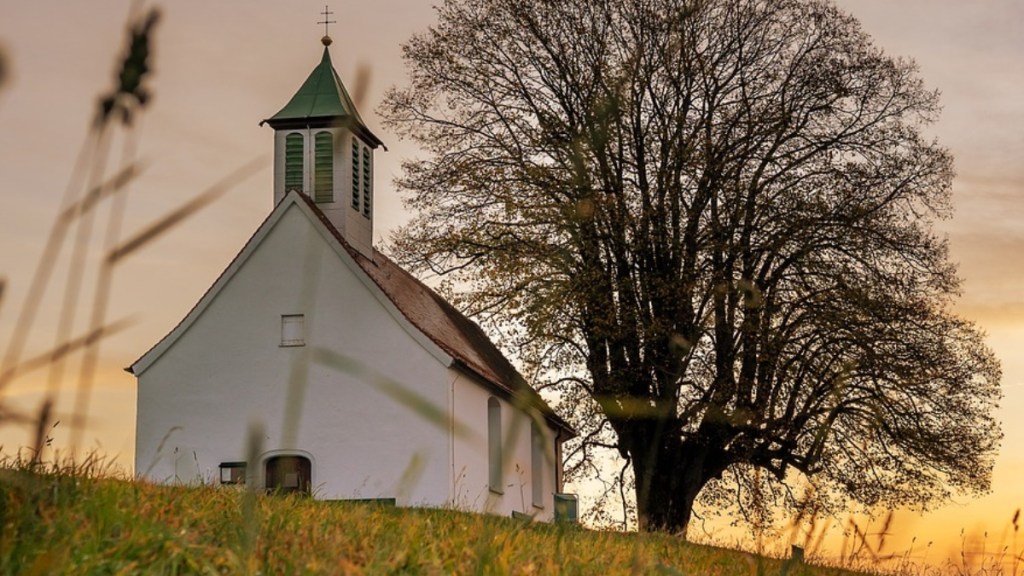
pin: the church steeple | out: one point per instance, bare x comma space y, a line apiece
323, 149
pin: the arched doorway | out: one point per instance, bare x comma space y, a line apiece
288, 473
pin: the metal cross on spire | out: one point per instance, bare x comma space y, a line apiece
327, 15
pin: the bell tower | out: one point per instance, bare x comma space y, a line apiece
323, 149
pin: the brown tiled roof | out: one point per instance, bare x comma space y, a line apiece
443, 324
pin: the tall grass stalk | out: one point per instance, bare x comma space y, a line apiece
86, 518
91, 187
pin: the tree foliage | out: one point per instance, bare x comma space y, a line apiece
709, 225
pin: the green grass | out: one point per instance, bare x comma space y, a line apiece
75, 520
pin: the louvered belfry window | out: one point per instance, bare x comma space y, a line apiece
355, 173
367, 180
293, 152
324, 172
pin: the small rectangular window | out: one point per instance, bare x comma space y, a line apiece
293, 330
232, 472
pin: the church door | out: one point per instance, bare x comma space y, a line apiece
288, 474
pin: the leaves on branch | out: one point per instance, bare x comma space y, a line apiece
711, 222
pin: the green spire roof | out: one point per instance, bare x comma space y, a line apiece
322, 100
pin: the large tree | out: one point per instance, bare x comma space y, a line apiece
714, 219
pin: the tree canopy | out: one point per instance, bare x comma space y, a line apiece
708, 224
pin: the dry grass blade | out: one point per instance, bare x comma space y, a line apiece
3, 67
55, 239
864, 545
71, 346
104, 282
93, 196
42, 423
396, 390
158, 228
84, 219
96, 525
884, 532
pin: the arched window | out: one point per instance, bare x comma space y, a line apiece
494, 458
293, 157
323, 155
537, 464
288, 473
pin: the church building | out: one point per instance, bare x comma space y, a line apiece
316, 364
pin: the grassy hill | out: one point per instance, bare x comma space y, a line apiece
71, 522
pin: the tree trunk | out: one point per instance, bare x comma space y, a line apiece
668, 482
664, 507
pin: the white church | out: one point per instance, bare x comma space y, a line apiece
360, 382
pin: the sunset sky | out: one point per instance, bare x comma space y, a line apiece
221, 67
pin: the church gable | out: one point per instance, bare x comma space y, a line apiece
312, 241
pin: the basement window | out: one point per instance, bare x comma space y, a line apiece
293, 330
232, 472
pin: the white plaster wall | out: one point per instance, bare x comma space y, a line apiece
228, 371
470, 453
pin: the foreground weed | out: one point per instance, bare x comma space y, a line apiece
78, 520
